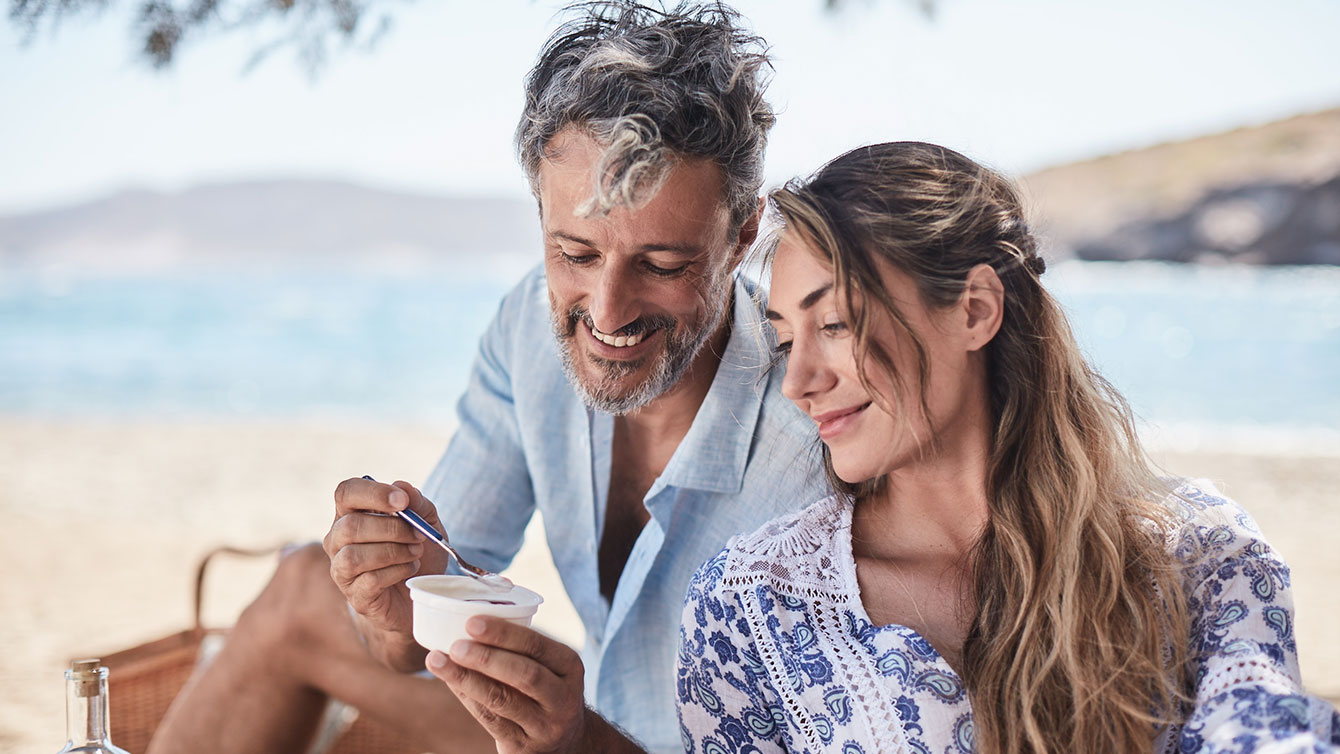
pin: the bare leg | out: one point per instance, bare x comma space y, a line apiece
292, 649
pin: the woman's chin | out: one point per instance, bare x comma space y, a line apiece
853, 476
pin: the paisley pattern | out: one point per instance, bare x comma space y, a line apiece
777, 655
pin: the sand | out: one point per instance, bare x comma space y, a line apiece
105, 521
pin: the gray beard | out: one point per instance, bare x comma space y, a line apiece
670, 365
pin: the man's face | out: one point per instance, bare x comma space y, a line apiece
634, 294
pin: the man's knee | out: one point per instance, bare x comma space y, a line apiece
300, 599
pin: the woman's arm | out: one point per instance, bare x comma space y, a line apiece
725, 700
1248, 694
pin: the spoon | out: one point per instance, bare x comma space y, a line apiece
486, 577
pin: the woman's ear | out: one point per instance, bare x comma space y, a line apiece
983, 306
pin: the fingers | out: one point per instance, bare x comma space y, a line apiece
513, 672
493, 704
434, 559
521, 685
367, 592
355, 527
525, 641
364, 565
360, 542
362, 495
419, 504
371, 552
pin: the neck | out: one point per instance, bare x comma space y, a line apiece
935, 506
86, 713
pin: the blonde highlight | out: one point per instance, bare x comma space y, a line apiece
1078, 637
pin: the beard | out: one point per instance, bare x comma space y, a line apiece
607, 388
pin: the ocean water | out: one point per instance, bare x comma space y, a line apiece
1207, 356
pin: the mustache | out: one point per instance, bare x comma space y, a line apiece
636, 327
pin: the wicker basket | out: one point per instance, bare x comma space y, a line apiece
143, 680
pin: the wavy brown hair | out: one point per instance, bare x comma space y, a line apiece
1078, 639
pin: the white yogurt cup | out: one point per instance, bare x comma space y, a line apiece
442, 605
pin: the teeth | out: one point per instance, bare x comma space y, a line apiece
621, 341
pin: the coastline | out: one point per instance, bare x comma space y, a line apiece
105, 521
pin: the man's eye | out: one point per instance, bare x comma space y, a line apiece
665, 272
578, 259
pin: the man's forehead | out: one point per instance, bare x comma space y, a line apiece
685, 213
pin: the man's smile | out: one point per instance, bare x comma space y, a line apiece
619, 346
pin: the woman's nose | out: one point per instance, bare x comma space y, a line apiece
806, 374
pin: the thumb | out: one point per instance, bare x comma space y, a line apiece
420, 504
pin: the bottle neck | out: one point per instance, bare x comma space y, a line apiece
86, 708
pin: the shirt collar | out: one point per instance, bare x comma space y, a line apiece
713, 455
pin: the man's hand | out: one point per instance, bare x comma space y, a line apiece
373, 553
525, 689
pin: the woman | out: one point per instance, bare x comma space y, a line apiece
999, 570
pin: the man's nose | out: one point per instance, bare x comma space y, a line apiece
614, 300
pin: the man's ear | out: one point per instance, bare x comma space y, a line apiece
982, 306
748, 234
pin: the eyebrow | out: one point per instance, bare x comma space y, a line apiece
683, 249
810, 300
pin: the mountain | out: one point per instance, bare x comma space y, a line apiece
268, 222
1267, 194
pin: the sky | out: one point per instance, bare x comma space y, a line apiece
1019, 84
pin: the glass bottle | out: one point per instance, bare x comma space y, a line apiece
86, 709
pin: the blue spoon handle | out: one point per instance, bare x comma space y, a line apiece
426, 529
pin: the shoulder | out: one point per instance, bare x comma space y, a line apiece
784, 461
526, 303
1227, 562
1209, 526
790, 552
804, 532
519, 344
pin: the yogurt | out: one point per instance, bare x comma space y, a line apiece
442, 605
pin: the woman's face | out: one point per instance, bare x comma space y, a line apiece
868, 434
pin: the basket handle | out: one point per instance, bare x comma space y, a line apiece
246, 552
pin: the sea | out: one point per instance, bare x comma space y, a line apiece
1226, 358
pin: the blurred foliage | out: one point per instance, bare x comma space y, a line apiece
309, 27
162, 27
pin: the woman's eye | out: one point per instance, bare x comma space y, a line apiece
835, 328
782, 348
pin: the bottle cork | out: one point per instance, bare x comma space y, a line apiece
86, 674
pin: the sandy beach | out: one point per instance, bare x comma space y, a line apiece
105, 521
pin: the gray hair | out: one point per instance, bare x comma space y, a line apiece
652, 87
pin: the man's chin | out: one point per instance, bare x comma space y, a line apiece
616, 387
614, 380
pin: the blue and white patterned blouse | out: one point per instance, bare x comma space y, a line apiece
777, 653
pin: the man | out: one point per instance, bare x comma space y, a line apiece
620, 391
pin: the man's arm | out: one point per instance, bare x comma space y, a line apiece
481, 487
526, 690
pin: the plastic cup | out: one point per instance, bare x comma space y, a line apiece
442, 605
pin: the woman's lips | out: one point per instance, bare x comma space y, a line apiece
833, 423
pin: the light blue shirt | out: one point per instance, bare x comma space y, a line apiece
526, 442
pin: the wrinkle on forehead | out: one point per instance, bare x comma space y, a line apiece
681, 214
